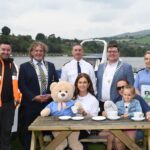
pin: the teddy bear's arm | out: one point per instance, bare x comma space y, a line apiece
45, 112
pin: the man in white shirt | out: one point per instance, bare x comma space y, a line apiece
110, 72
77, 65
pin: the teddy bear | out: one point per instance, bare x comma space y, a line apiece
63, 105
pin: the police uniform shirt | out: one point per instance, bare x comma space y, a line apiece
142, 78
70, 72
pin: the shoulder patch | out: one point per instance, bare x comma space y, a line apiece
140, 70
66, 63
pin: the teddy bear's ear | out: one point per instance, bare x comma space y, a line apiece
53, 85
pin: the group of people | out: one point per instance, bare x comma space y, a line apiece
36, 75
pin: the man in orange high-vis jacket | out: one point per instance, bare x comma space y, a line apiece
9, 94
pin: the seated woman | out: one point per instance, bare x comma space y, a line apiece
145, 108
89, 106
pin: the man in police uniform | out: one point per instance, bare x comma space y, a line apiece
8, 94
77, 65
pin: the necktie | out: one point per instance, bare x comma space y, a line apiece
43, 79
78, 67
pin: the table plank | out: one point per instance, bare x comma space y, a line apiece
53, 123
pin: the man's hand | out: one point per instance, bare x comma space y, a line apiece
42, 98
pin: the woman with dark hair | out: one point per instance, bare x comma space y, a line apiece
84, 94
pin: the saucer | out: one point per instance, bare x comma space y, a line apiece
113, 117
138, 119
77, 118
64, 117
97, 118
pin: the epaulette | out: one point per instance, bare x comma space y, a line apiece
66, 63
140, 70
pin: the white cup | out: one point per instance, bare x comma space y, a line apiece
112, 114
138, 114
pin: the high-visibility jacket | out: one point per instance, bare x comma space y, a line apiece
16, 92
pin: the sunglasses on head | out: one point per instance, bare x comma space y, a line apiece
120, 87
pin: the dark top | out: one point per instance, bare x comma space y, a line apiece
7, 88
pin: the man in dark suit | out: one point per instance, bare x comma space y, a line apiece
35, 78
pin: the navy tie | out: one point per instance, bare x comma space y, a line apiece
79, 68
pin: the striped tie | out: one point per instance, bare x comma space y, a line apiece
43, 79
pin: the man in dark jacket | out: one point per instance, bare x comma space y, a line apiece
35, 78
9, 94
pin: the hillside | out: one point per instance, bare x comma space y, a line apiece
134, 34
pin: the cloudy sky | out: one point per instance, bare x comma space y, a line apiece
75, 18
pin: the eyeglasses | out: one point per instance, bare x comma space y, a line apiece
112, 52
120, 87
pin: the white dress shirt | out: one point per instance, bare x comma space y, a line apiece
70, 72
35, 62
107, 80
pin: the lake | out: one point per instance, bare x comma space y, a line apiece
136, 62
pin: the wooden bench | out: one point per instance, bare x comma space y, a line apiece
94, 139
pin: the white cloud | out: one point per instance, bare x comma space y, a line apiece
75, 18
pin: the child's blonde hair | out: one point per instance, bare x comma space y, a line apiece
131, 88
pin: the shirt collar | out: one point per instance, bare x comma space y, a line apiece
74, 60
35, 62
147, 70
113, 64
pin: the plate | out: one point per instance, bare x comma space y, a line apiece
114, 117
97, 118
64, 117
77, 118
138, 119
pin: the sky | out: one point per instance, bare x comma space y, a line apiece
81, 19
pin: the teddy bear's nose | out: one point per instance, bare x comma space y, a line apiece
62, 94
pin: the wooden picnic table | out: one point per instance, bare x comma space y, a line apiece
66, 127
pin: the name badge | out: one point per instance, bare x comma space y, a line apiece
145, 93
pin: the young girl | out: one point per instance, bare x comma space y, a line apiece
89, 106
126, 108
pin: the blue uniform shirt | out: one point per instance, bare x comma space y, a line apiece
142, 78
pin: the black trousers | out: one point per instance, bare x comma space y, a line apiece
28, 115
6, 121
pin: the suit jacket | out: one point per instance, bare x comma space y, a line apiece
123, 72
29, 85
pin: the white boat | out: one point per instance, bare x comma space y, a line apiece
96, 59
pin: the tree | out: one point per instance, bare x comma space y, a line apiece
5, 30
40, 37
